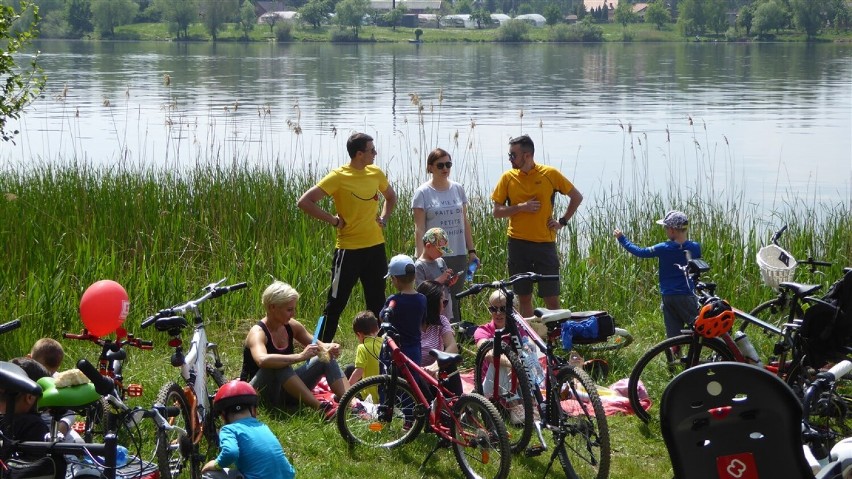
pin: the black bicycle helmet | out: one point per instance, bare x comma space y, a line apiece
715, 318
234, 396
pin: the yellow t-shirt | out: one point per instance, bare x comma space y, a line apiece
367, 357
356, 200
541, 183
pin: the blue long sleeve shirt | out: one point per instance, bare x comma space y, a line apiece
670, 255
250, 445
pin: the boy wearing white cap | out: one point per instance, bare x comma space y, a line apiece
409, 306
679, 304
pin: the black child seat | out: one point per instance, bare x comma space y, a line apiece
732, 421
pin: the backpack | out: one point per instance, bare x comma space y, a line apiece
827, 325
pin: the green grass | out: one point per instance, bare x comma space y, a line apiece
163, 236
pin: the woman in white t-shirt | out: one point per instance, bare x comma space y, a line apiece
441, 202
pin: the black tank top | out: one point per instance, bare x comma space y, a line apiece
250, 366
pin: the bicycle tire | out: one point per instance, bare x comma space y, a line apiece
479, 435
213, 422
657, 367
775, 311
373, 424
618, 340
174, 450
581, 434
519, 433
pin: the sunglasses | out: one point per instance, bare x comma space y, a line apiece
497, 309
440, 166
512, 156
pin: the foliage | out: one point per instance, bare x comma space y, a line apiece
417, 33
657, 14
284, 31
584, 31
315, 12
525, 9
343, 35
21, 85
770, 15
624, 14
716, 16
463, 7
513, 31
107, 14
394, 16
481, 17
179, 14
745, 18
248, 19
808, 15
215, 13
350, 13
79, 17
552, 14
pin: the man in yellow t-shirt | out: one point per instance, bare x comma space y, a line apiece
359, 253
525, 194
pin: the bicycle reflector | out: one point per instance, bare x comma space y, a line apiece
714, 319
134, 390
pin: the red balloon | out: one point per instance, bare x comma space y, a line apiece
104, 307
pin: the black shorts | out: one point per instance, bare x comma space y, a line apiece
529, 256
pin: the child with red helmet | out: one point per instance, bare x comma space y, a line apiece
245, 443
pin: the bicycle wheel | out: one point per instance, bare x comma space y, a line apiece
582, 439
620, 339
385, 424
212, 422
480, 444
775, 311
666, 360
513, 398
174, 448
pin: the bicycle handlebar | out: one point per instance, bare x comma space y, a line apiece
130, 341
502, 284
212, 290
103, 385
778, 234
11, 325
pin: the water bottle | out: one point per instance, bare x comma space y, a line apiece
471, 268
746, 348
121, 456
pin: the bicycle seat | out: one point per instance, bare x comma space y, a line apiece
581, 315
172, 322
800, 290
68, 397
14, 380
445, 360
549, 316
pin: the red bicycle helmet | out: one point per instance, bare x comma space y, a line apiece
715, 318
234, 395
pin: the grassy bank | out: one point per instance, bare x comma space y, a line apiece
164, 236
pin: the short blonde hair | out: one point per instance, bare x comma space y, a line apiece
279, 292
498, 295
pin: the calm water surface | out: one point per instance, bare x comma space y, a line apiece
765, 121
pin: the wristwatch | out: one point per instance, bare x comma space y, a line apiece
563, 221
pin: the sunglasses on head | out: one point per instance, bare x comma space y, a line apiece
497, 309
441, 166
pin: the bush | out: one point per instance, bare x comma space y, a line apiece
578, 32
513, 31
343, 35
283, 31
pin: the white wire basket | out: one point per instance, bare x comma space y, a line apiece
776, 265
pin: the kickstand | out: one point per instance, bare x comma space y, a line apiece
441, 443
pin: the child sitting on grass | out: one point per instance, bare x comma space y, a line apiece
679, 303
366, 328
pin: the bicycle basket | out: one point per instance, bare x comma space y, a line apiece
776, 265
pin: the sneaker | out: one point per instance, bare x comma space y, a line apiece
360, 411
329, 410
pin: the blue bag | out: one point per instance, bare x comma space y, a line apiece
587, 328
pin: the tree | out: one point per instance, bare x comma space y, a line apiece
248, 19
768, 16
808, 15
657, 14
746, 17
624, 14
20, 86
716, 15
79, 16
179, 14
552, 14
314, 12
394, 16
108, 14
215, 13
481, 17
350, 13
691, 18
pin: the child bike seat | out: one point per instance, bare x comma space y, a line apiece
549, 316
170, 323
68, 397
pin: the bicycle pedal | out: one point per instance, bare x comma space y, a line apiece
534, 451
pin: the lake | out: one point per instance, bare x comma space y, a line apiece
767, 121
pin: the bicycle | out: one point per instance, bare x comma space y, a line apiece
468, 423
588, 453
823, 411
777, 267
198, 366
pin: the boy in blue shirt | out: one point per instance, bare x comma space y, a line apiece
244, 442
679, 304
409, 310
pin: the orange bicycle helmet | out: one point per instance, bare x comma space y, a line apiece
234, 396
714, 319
